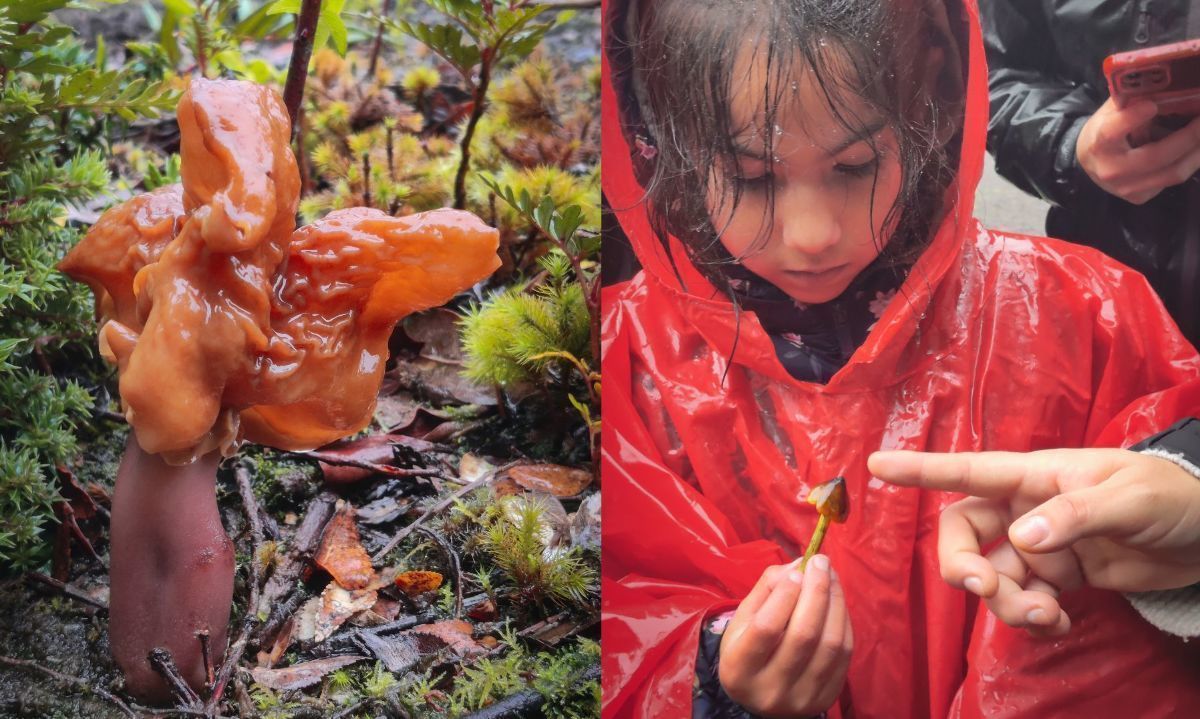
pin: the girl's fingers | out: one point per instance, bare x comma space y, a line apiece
806, 624
765, 627
1059, 628
754, 600
964, 527
833, 649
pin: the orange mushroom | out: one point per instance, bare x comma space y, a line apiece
227, 324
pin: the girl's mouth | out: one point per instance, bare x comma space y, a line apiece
816, 275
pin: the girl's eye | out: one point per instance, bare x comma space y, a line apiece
864, 169
752, 182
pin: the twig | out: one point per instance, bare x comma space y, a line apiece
300, 549
435, 509
571, 4
306, 30
387, 469
452, 558
388, 6
242, 473
68, 590
164, 664
355, 708
477, 108
67, 679
206, 655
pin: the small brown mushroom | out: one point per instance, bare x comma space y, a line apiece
832, 501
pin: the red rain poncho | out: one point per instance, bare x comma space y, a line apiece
1023, 343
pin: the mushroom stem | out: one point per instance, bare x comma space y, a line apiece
171, 569
814, 545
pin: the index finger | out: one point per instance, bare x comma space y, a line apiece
993, 475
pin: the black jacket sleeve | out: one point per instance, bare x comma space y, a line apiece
1036, 115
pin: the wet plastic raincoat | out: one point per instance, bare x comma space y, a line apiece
1005, 342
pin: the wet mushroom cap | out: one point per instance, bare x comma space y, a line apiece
831, 499
228, 324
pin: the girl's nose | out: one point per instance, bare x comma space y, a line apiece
808, 222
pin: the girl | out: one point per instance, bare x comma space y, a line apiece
796, 177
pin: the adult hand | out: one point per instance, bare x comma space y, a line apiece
786, 651
1135, 174
1112, 518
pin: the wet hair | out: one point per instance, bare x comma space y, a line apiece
677, 59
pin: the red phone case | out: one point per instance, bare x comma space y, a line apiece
1168, 74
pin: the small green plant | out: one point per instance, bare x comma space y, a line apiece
379, 682
57, 104
480, 37
538, 573
211, 33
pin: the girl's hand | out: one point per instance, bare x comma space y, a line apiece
786, 651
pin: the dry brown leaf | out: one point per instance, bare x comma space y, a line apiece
282, 641
437, 331
396, 410
456, 633
338, 605
342, 554
301, 675
551, 478
418, 582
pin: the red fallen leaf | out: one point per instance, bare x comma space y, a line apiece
375, 449
552, 478
506, 487
342, 554
301, 675
396, 410
485, 611
418, 582
282, 641
389, 609
456, 633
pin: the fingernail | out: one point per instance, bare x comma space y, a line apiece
1036, 616
1032, 531
796, 576
974, 585
820, 562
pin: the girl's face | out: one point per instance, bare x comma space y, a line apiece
832, 189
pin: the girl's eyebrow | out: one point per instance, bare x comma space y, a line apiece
852, 138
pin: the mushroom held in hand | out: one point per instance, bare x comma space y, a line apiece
832, 501
228, 324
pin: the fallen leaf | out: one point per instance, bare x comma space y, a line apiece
342, 554
375, 449
456, 633
383, 510
389, 609
306, 620
551, 478
437, 331
442, 382
585, 524
555, 529
396, 410
484, 611
282, 641
301, 675
472, 467
418, 582
398, 652
505, 487
489, 643
338, 605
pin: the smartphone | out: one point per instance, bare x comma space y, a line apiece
1167, 74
